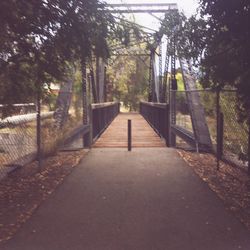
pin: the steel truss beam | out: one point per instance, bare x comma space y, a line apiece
127, 54
142, 8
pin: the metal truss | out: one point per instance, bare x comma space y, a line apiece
142, 8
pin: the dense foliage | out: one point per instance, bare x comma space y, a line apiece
217, 39
39, 41
226, 59
129, 80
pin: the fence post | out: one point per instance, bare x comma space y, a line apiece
248, 150
38, 127
219, 148
220, 139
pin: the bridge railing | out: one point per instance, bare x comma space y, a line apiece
157, 115
102, 115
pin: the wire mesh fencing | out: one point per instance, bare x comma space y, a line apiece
183, 116
235, 132
63, 117
208, 101
17, 137
190, 120
232, 137
29, 131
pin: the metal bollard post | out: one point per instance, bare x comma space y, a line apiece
129, 136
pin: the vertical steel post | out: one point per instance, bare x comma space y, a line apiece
218, 156
90, 111
129, 136
38, 127
84, 93
153, 77
119, 108
85, 107
173, 88
93, 85
165, 77
105, 84
160, 73
98, 78
150, 79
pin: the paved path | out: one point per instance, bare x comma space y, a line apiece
116, 135
147, 199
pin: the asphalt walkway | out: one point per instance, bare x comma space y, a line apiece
147, 199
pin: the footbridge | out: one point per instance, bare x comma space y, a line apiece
132, 190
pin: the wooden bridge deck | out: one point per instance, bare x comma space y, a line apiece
142, 134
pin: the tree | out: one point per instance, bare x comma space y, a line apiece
217, 40
39, 39
226, 58
129, 80
26, 53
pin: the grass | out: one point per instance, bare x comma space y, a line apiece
53, 138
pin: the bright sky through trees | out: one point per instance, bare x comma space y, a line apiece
187, 6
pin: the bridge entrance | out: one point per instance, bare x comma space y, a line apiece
159, 51
86, 114
116, 135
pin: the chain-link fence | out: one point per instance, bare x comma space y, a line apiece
186, 117
208, 102
230, 134
235, 133
65, 119
21, 128
183, 116
17, 137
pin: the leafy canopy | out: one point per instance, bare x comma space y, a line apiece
226, 59
217, 40
40, 39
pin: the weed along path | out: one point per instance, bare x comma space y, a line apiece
147, 199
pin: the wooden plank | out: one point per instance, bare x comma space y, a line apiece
115, 136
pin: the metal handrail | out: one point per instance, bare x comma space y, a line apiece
102, 114
103, 105
155, 104
157, 115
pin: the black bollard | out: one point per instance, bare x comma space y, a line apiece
129, 136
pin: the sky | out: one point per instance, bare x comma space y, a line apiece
187, 6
